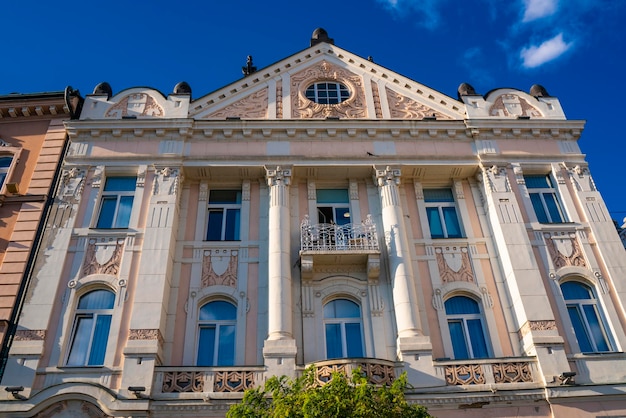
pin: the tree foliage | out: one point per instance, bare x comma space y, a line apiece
342, 396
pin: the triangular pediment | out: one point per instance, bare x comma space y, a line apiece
279, 92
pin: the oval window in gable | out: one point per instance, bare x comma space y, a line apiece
327, 93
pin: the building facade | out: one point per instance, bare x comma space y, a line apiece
323, 210
32, 143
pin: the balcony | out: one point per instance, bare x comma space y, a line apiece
377, 371
177, 382
352, 245
498, 371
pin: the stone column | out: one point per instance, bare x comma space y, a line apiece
407, 317
280, 347
413, 348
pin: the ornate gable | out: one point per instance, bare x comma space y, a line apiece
368, 91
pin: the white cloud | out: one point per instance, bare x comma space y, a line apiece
536, 9
534, 56
427, 10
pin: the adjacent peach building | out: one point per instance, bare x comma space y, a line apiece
323, 210
32, 142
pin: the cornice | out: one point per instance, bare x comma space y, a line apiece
538, 128
28, 107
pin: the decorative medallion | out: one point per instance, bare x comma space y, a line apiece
351, 108
219, 267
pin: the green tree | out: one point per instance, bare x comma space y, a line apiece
340, 397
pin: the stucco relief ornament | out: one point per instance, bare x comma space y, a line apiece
353, 107
103, 257
219, 267
402, 107
564, 250
497, 179
72, 181
454, 264
512, 105
137, 104
278, 176
252, 106
166, 181
581, 179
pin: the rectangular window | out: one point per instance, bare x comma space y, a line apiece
441, 212
544, 199
333, 206
117, 202
5, 164
224, 215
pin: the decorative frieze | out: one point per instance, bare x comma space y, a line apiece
564, 249
30, 335
253, 106
219, 267
546, 325
103, 256
146, 334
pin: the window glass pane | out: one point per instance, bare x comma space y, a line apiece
537, 182
120, 184
452, 222
458, 340
477, 338
574, 290
333, 196
218, 311
333, 341
343, 216
2, 177
438, 195
214, 231
595, 326
224, 196
97, 299
579, 329
553, 207
354, 341
107, 212
5, 161
232, 225
80, 344
434, 221
206, 346
342, 308
123, 212
99, 342
542, 217
226, 346
461, 305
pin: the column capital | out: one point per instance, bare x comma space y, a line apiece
386, 176
277, 175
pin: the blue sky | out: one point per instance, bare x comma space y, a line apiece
574, 48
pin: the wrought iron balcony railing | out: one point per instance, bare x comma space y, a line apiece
333, 237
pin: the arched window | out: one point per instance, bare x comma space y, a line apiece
91, 328
216, 337
342, 325
465, 323
583, 310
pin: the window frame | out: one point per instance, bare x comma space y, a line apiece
216, 324
439, 205
226, 208
587, 331
95, 313
118, 196
546, 215
464, 319
342, 322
